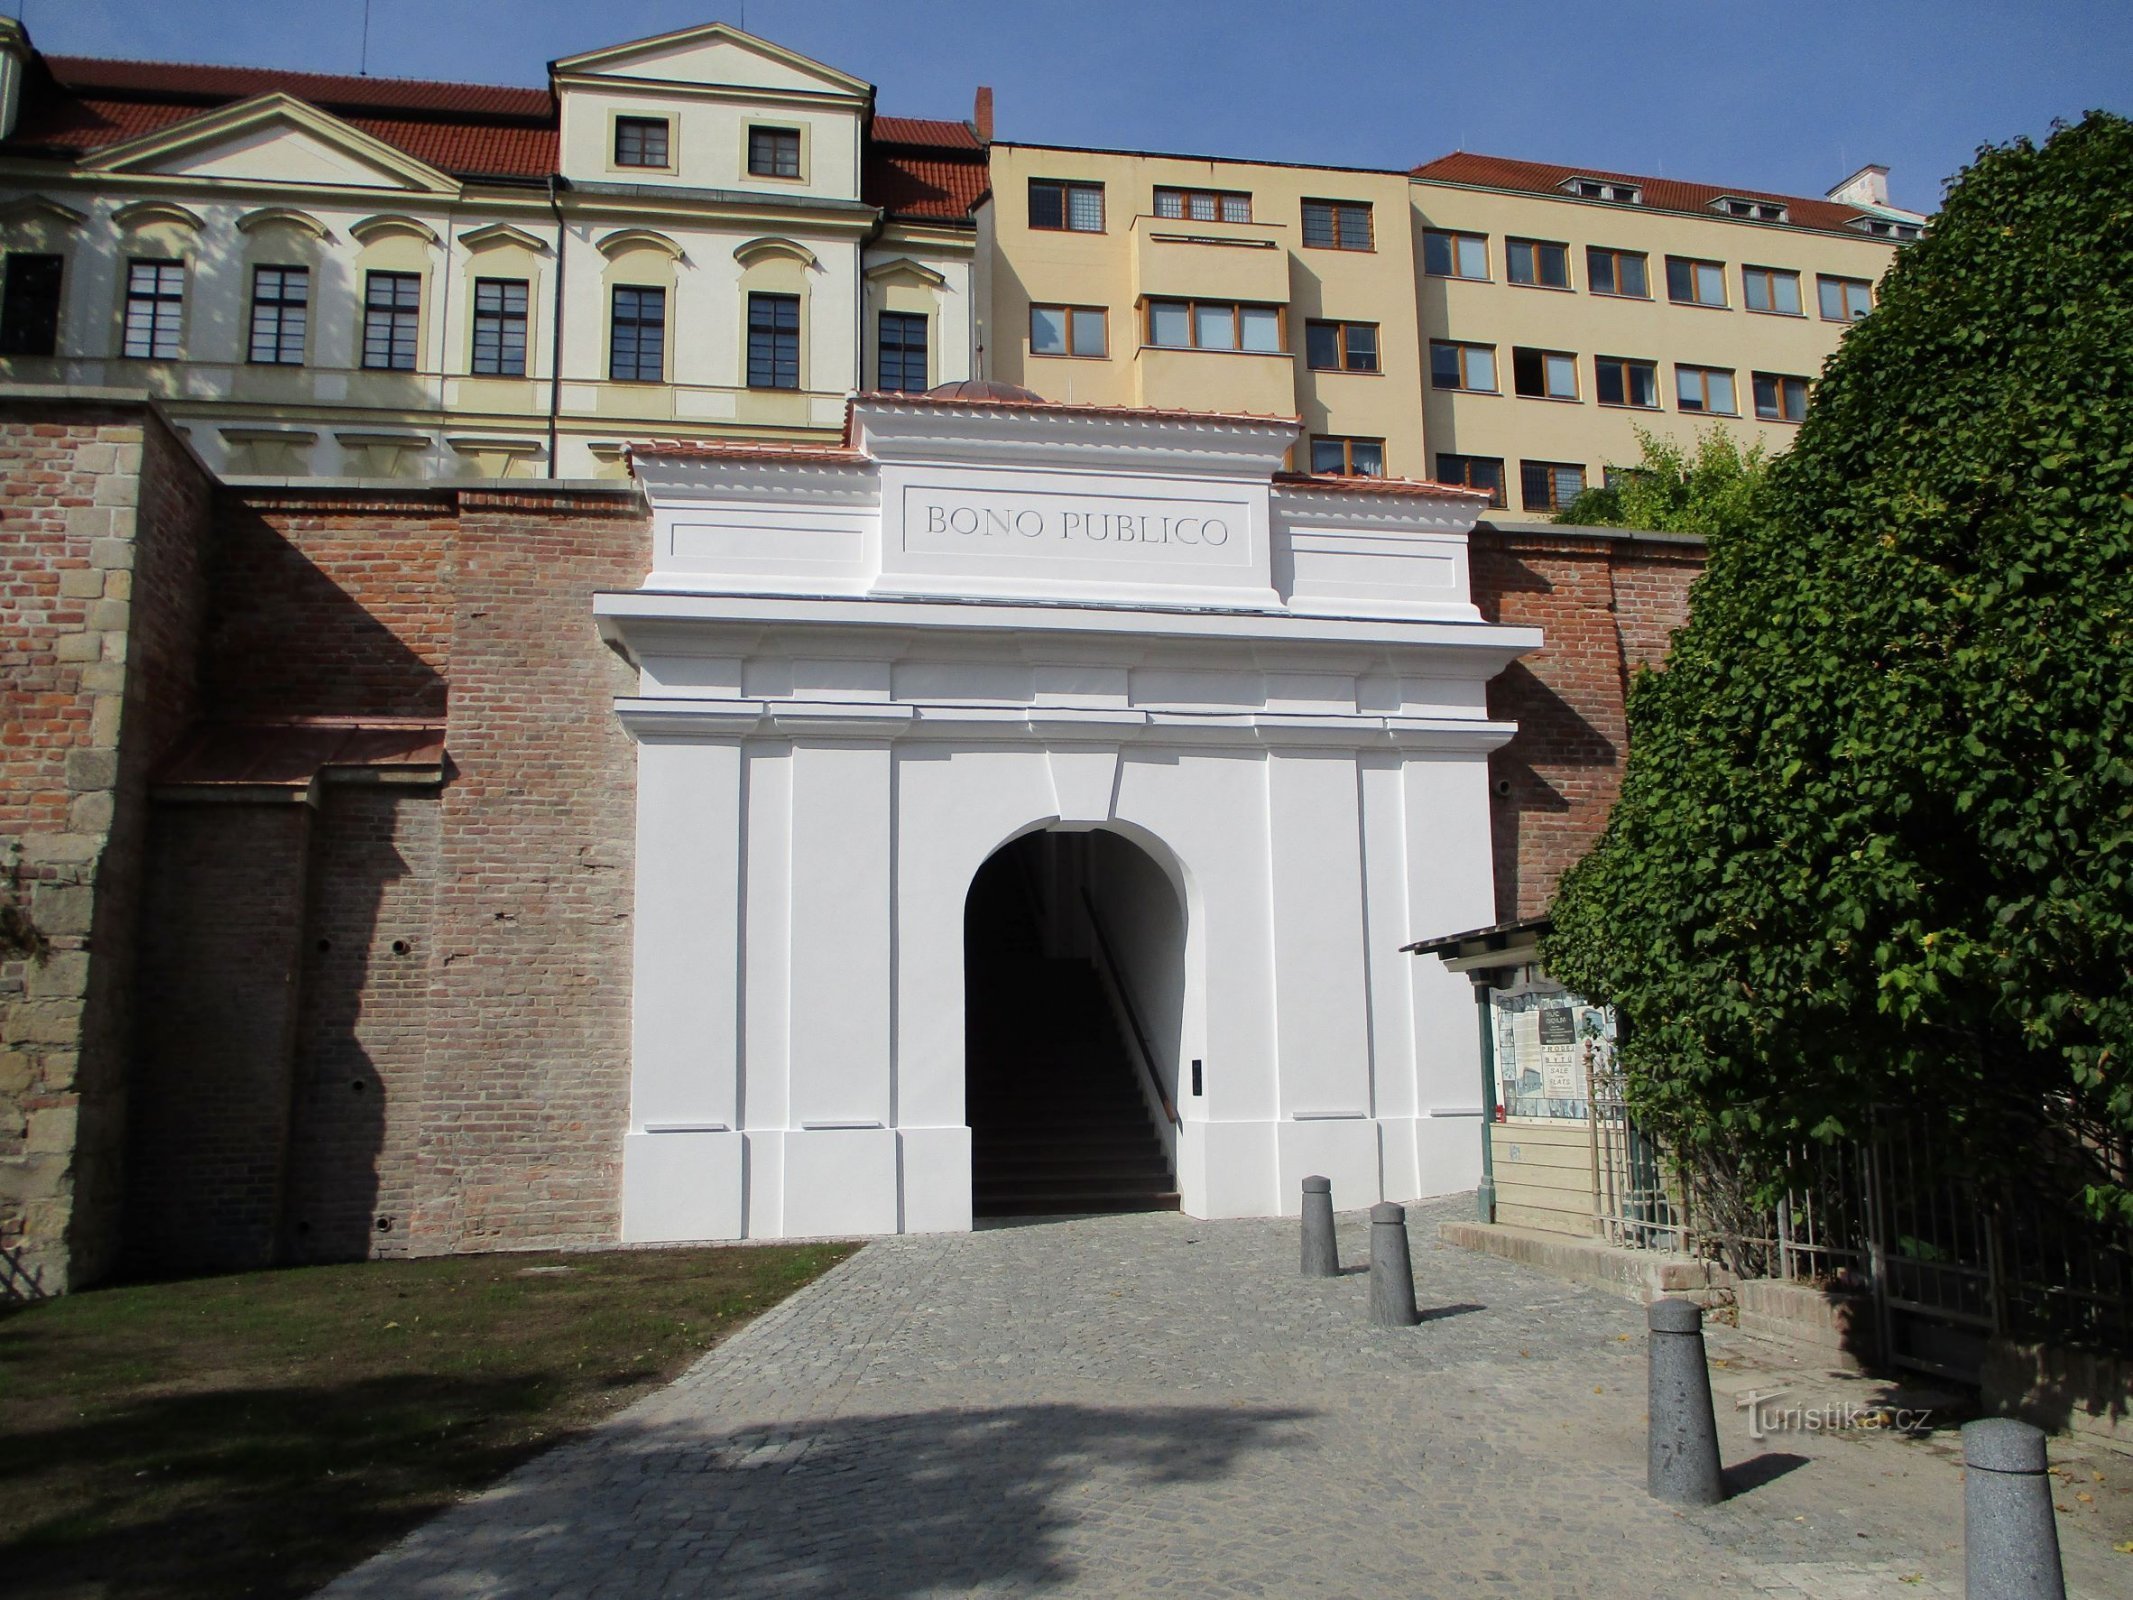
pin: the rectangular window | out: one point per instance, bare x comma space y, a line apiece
281, 305
774, 152
1549, 485
641, 142
1074, 207
1069, 331
1695, 283
773, 341
1544, 374
1771, 289
1214, 325
1624, 381
392, 320
637, 336
1337, 225
500, 327
1462, 366
1341, 346
1351, 458
1473, 472
1779, 397
901, 353
1455, 255
1845, 299
155, 306
1204, 205
29, 306
1621, 272
1538, 264
1706, 389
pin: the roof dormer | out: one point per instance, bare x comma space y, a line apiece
1614, 189
1750, 210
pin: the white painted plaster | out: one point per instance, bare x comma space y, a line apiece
839, 726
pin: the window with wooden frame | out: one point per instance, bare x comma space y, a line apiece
774, 152
1706, 389
1626, 381
392, 320
1462, 366
1058, 205
1549, 485
1626, 273
1690, 282
1069, 331
281, 310
1350, 458
155, 309
1772, 290
500, 327
900, 352
1544, 374
1204, 205
29, 305
1473, 472
1341, 346
1455, 255
1337, 225
1844, 299
1215, 325
637, 335
642, 142
1779, 396
773, 341
1536, 263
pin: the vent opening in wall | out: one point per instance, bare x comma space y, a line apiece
401, 947
385, 1224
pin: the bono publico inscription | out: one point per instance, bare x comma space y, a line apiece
1035, 524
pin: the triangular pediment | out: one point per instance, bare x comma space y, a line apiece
715, 54
273, 138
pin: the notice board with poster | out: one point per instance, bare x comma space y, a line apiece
1547, 1040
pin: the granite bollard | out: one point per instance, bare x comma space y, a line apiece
2010, 1535
1683, 1465
1392, 1277
1321, 1258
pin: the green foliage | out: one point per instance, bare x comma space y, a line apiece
1715, 488
1875, 839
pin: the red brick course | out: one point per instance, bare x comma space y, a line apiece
1606, 603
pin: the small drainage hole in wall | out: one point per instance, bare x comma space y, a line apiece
385, 1224
356, 1084
401, 947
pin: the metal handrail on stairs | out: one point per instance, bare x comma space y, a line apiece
1133, 1018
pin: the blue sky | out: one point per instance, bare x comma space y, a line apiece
1788, 96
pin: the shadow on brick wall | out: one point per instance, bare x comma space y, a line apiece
1554, 783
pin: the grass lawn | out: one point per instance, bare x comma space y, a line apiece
257, 1434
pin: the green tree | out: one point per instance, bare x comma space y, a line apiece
1875, 839
1713, 487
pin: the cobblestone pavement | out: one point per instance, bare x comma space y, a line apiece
1150, 1405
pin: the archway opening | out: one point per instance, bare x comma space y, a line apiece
1075, 995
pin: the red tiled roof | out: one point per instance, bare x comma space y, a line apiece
1663, 194
87, 74
1067, 407
926, 130
1341, 483
905, 183
812, 455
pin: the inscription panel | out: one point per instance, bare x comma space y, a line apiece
1116, 535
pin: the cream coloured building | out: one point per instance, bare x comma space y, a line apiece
1563, 309
1197, 284
695, 236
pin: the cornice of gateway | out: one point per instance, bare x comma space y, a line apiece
667, 720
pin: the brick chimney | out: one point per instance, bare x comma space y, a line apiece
981, 113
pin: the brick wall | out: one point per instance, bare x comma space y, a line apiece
1607, 603
100, 595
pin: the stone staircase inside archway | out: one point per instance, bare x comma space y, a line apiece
1058, 1123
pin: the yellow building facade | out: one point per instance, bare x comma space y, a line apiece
1185, 283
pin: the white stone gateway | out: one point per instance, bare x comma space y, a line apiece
866, 671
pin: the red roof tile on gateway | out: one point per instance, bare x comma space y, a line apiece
1660, 194
926, 131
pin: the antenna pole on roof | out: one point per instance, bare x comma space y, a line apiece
363, 66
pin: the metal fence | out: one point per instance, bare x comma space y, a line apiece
1946, 1258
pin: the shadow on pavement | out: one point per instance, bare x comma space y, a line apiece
1744, 1477
877, 1506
